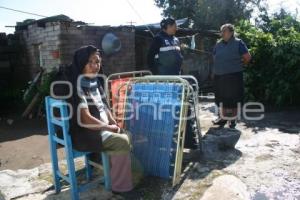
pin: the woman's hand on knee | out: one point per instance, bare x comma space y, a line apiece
113, 128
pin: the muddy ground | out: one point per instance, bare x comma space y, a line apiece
264, 165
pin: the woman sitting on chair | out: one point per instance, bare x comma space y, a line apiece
93, 127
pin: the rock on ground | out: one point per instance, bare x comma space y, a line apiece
226, 187
36, 184
21, 182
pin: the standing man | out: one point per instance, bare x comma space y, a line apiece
164, 56
230, 54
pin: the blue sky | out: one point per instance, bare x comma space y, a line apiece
98, 12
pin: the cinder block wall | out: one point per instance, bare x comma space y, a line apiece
73, 37
63, 38
48, 39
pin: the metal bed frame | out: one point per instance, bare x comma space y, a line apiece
125, 76
186, 90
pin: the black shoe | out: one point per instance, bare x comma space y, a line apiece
220, 122
232, 124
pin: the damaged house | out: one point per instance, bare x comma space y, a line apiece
51, 41
44, 44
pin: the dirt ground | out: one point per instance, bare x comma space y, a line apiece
23, 143
266, 160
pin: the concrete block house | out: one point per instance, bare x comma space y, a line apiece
51, 41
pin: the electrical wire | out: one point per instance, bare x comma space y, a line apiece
136, 12
24, 12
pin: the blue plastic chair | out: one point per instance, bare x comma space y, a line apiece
71, 154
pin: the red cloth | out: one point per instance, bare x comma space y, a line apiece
118, 91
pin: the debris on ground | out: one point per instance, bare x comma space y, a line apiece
265, 164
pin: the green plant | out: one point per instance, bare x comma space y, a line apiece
273, 77
46, 80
